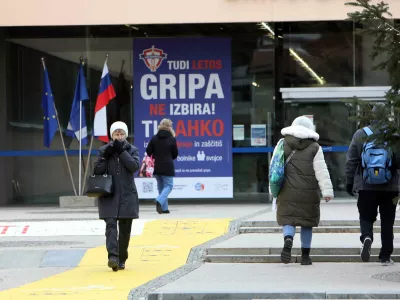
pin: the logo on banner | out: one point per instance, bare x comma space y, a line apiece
199, 187
153, 57
221, 187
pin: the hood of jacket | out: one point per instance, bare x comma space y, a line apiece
165, 131
164, 134
299, 137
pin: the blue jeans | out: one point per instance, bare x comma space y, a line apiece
164, 186
305, 234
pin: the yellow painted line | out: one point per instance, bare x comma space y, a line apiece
163, 246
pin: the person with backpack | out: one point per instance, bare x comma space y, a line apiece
371, 171
164, 150
304, 174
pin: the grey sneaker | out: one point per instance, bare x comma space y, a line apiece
366, 249
387, 262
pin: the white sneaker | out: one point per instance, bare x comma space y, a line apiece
388, 262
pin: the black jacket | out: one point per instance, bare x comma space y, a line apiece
164, 149
125, 203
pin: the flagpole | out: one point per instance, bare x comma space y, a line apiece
88, 162
62, 140
91, 145
80, 141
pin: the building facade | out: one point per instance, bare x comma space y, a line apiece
289, 58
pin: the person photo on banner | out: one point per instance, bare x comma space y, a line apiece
164, 150
119, 159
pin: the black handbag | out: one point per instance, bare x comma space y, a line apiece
100, 185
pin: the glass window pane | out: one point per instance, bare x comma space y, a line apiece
318, 54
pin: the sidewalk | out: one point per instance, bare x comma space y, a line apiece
278, 281
233, 269
52, 252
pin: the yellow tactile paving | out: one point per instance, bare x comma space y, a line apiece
163, 246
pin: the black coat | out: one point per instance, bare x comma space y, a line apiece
125, 202
164, 150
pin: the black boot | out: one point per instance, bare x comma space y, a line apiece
113, 264
158, 207
305, 257
286, 254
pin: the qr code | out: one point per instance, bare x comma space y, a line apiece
148, 187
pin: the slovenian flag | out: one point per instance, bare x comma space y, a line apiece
106, 94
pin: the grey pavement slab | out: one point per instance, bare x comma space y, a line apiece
51, 242
12, 278
62, 258
34, 258
21, 258
319, 281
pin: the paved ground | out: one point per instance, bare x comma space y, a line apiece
37, 243
146, 212
282, 281
270, 281
54, 253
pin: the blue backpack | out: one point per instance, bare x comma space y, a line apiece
376, 162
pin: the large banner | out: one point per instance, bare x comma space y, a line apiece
187, 80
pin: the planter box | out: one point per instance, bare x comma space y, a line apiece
77, 201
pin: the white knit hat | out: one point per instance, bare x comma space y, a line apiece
118, 125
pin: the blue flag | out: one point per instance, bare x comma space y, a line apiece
49, 111
80, 95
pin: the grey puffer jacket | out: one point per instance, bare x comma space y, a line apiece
354, 169
306, 174
125, 202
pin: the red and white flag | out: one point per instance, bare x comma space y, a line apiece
106, 94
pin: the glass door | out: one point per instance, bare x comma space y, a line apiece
331, 120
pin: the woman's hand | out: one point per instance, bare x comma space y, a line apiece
108, 152
327, 199
119, 146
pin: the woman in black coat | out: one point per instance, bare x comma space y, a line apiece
121, 160
164, 149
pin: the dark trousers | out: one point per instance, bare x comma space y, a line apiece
117, 245
368, 204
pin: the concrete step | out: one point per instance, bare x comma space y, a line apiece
322, 229
295, 251
322, 223
276, 258
272, 243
